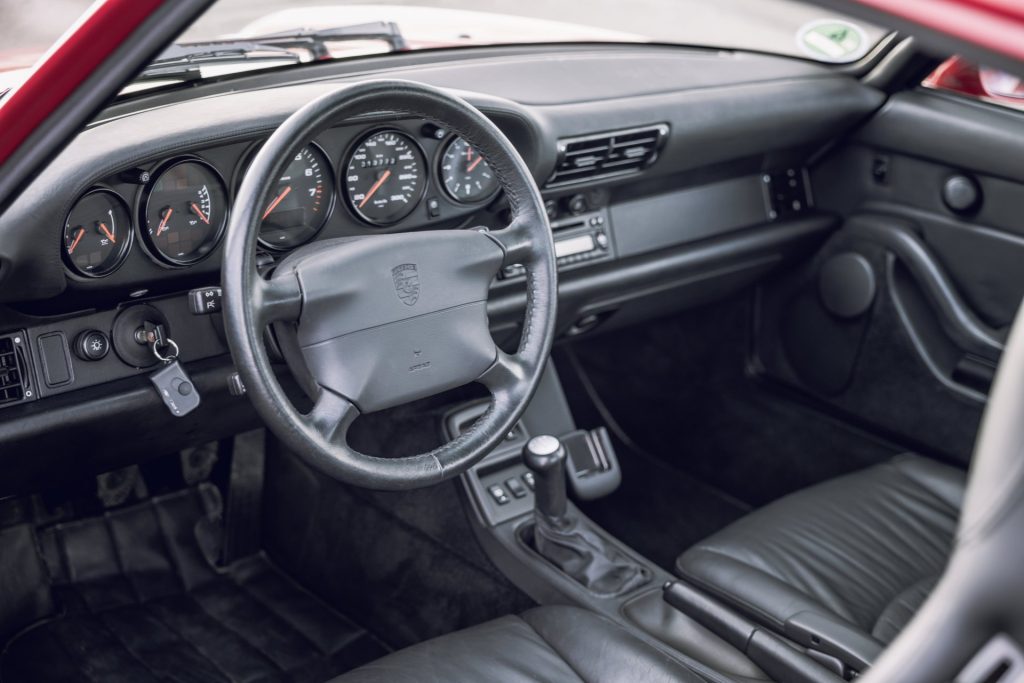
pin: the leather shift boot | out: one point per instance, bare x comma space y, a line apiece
586, 556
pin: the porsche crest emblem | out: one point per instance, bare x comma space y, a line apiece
407, 283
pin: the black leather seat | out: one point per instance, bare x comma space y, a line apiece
542, 644
848, 561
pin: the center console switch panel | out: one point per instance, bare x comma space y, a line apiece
501, 486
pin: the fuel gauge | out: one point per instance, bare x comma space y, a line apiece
97, 233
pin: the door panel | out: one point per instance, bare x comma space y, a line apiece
937, 287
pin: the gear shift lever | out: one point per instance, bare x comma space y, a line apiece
545, 457
563, 538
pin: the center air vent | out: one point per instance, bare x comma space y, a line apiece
604, 155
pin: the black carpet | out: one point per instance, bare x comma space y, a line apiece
659, 510
138, 602
407, 563
680, 390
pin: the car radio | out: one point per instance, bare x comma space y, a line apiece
579, 239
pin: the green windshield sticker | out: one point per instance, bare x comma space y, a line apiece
833, 40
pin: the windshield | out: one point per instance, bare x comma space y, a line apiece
784, 27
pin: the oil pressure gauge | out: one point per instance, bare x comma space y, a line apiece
97, 234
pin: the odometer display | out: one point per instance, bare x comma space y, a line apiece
301, 202
185, 210
384, 177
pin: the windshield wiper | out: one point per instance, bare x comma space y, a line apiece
316, 40
184, 61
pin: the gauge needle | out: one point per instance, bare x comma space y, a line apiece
376, 186
199, 212
163, 224
277, 200
474, 164
106, 231
78, 238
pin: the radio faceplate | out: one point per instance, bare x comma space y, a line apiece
579, 240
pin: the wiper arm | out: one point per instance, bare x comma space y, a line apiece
316, 40
184, 61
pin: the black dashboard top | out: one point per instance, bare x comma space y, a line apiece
717, 105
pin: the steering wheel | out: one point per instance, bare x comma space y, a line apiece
382, 320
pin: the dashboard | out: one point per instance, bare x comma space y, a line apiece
670, 177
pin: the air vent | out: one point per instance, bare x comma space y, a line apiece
605, 155
14, 375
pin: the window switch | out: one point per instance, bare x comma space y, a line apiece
498, 494
515, 487
529, 480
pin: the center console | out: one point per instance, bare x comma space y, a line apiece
557, 555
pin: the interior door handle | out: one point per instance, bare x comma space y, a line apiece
955, 315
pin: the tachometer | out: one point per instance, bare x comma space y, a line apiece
185, 209
465, 175
97, 233
384, 177
301, 202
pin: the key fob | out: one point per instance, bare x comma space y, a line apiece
176, 389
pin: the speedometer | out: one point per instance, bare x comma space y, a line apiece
384, 177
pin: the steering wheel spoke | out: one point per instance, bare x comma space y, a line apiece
331, 416
506, 372
277, 300
517, 242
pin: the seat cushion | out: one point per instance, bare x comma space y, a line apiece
861, 551
543, 644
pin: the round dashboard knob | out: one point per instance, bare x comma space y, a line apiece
961, 194
92, 345
577, 204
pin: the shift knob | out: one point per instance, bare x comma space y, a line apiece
545, 457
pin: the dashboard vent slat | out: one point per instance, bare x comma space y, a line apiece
605, 155
14, 377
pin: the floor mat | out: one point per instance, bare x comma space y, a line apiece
140, 603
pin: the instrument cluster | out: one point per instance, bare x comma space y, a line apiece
179, 207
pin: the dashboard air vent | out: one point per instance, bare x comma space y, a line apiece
14, 376
605, 155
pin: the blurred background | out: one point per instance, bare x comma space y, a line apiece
28, 27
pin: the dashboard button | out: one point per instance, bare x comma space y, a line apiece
498, 494
515, 487
92, 345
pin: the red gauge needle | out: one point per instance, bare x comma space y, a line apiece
78, 238
474, 164
106, 231
199, 212
163, 224
277, 200
376, 186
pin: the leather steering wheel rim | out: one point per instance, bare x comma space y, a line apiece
251, 303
